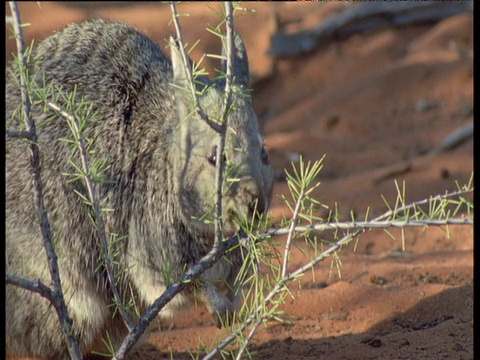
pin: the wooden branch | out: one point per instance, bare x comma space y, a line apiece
57, 293
365, 17
181, 47
95, 201
456, 138
19, 134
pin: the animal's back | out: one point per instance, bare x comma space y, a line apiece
126, 78
159, 164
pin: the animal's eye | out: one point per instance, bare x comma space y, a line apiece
264, 156
212, 158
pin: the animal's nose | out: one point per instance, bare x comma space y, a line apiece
252, 197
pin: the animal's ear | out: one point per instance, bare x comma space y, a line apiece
241, 73
180, 76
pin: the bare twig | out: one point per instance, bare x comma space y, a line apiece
96, 209
57, 293
20, 134
217, 127
34, 286
372, 224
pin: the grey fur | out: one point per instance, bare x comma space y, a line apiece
160, 183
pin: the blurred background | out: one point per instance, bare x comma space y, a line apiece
385, 91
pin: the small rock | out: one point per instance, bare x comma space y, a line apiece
444, 173
423, 105
367, 338
293, 156
378, 280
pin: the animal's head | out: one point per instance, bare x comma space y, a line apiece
248, 179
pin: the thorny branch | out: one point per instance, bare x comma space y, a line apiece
57, 293
186, 61
221, 126
256, 315
220, 168
97, 212
216, 253
172, 290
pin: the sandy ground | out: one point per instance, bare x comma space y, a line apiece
375, 104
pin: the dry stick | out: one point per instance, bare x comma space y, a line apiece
220, 169
333, 248
57, 293
366, 17
217, 127
19, 134
98, 217
34, 286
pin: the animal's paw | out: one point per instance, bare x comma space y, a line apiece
224, 317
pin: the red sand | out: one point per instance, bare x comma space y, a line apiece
356, 101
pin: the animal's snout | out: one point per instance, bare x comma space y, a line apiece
252, 197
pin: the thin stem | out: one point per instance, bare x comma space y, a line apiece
178, 28
19, 134
57, 293
291, 230
371, 224
96, 208
34, 286
423, 202
249, 338
220, 168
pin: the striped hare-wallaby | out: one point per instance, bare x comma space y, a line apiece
160, 185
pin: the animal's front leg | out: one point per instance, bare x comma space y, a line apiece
221, 303
218, 304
